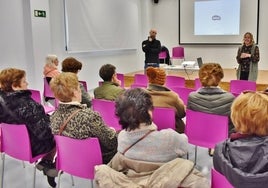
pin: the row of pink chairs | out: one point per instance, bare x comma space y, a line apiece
75, 157
177, 53
48, 93
142, 80
163, 117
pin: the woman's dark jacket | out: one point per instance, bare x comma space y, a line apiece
19, 108
243, 161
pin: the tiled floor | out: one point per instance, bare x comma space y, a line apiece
18, 177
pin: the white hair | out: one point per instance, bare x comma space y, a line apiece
50, 59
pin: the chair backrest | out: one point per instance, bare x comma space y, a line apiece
84, 84
120, 77
218, 180
238, 86
183, 93
47, 90
204, 129
197, 84
140, 79
164, 118
175, 81
36, 95
106, 109
178, 52
163, 55
15, 141
78, 157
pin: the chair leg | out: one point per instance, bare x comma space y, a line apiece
59, 175
3, 170
34, 176
23, 164
72, 180
195, 155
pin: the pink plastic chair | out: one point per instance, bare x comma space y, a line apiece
238, 86
175, 81
140, 80
164, 118
218, 180
106, 109
163, 55
197, 84
183, 93
84, 84
178, 52
15, 142
47, 91
36, 95
204, 129
77, 157
120, 77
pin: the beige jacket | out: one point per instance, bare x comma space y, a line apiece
124, 172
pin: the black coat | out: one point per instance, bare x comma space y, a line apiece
19, 108
151, 50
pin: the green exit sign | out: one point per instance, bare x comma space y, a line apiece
40, 13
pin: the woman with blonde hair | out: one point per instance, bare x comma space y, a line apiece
243, 157
50, 68
85, 122
248, 56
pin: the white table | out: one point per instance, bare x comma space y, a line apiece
180, 68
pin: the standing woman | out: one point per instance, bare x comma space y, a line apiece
248, 56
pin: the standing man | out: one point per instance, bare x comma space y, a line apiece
151, 48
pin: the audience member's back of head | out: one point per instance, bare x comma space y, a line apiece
156, 75
51, 59
249, 113
11, 77
210, 74
64, 85
71, 64
107, 71
132, 108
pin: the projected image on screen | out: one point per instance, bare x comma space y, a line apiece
217, 17
219, 22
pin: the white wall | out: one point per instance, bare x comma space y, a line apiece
26, 40
126, 61
165, 20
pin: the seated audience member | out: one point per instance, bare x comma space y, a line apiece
242, 158
163, 96
85, 122
110, 88
210, 98
17, 107
50, 68
71, 64
147, 157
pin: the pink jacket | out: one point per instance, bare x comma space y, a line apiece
50, 71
